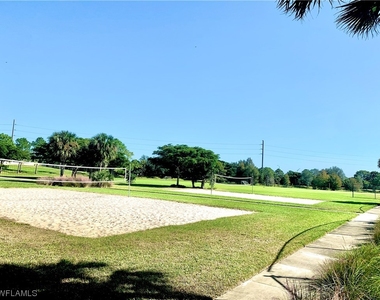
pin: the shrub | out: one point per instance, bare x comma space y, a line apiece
102, 178
354, 275
64, 181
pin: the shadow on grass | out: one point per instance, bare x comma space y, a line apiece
294, 237
356, 202
65, 280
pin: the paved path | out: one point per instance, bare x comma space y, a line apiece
301, 266
250, 196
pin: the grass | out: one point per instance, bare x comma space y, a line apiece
194, 261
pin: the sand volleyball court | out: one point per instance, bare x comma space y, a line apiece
95, 215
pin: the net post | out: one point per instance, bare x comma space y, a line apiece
212, 182
252, 183
129, 180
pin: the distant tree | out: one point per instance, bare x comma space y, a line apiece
315, 172
335, 183
62, 146
200, 164
294, 177
306, 178
40, 150
351, 184
8, 149
149, 168
337, 171
278, 176
83, 157
363, 177
24, 148
194, 163
285, 180
230, 168
321, 181
123, 156
172, 158
375, 183
103, 149
267, 176
246, 168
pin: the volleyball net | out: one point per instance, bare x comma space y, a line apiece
60, 174
232, 179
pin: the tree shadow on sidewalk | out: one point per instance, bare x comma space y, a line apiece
66, 280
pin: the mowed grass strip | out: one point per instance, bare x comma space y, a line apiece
194, 261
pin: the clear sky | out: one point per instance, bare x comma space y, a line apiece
220, 75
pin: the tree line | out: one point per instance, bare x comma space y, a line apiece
178, 161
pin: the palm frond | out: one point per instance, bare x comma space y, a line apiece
359, 17
298, 8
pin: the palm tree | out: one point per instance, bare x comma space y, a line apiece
63, 146
104, 148
357, 17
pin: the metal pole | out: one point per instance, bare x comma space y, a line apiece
262, 155
252, 183
212, 182
129, 181
13, 128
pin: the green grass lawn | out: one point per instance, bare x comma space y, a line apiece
194, 261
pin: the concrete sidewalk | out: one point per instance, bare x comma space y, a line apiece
301, 266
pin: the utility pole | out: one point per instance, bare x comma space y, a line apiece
262, 155
13, 128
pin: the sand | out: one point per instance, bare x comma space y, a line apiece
96, 215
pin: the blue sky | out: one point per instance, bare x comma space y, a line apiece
220, 75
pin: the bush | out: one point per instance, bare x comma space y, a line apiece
354, 275
65, 181
102, 178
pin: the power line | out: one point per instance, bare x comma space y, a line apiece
330, 162
311, 151
312, 155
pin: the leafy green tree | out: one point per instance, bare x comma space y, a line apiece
172, 158
375, 183
357, 17
294, 177
335, 183
351, 184
285, 180
267, 176
321, 181
8, 149
230, 168
364, 177
103, 149
194, 163
246, 168
278, 176
123, 156
149, 168
306, 178
24, 148
62, 146
200, 164
40, 150
337, 171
